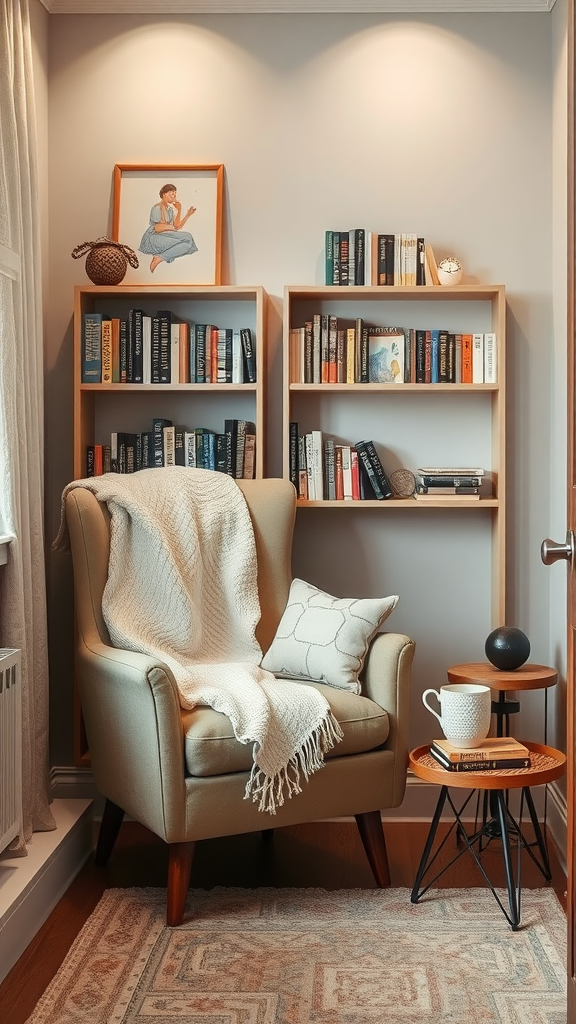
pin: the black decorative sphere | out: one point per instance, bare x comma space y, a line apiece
507, 648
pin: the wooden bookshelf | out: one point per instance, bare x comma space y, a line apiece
468, 420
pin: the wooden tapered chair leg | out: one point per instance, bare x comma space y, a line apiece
179, 870
108, 834
374, 843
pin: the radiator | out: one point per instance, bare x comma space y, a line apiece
10, 747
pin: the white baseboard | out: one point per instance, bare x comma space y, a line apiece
31, 886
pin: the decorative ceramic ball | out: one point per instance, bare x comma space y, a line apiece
450, 271
507, 648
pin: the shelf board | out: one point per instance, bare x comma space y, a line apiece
168, 387
403, 503
400, 388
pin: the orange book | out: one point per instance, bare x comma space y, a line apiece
213, 355
184, 352
98, 460
466, 358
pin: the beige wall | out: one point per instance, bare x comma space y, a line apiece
440, 124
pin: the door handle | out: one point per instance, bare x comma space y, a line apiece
551, 552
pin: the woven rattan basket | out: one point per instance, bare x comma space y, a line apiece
106, 261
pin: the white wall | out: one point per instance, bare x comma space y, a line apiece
440, 124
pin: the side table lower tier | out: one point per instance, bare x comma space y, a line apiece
547, 765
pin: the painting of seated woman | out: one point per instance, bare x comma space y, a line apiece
183, 211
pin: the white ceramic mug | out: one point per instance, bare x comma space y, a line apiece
465, 712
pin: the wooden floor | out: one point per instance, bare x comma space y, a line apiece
328, 855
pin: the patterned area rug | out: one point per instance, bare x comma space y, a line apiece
297, 956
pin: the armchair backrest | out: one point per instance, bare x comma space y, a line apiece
272, 506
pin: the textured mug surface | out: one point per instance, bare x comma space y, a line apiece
465, 712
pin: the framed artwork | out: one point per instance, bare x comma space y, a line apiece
171, 215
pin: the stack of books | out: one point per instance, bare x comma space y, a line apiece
492, 754
448, 481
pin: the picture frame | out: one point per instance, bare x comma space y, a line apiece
148, 221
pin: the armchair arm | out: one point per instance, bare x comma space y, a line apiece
131, 711
386, 681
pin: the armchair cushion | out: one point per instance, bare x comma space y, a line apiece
324, 638
212, 749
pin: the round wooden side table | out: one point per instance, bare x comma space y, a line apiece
547, 765
527, 677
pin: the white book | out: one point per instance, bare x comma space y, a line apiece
477, 358
175, 353
237, 359
346, 472
309, 467
146, 349
169, 446
367, 259
190, 448
318, 464
490, 357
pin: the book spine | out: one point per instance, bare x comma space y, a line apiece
324, 348
249, 349
383, 481
155, 351
231, 432
360, 256
477, 358
329, 257
490, 367
184, 353
91, 348
344, 254
165, 340
115, 350
237, 358
293, 454
137, 352
200, 348
175, 353
106, 351
158, 425
466, 358
249, 469
329, 469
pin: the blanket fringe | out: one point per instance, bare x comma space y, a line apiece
270, 790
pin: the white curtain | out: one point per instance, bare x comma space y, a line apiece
22, 580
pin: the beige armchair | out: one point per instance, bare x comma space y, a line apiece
182, 773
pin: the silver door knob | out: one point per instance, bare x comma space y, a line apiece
551, 552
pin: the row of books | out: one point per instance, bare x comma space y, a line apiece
492, 754
361, 257
433, 482
323, 469
329, 349
167, 444
164, 349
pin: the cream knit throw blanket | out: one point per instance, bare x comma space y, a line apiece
182, 587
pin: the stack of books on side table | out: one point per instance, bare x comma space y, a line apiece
441, 482
491, 754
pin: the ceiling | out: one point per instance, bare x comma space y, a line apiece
292, 6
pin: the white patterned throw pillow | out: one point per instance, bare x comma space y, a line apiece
325, 638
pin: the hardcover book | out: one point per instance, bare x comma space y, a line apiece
492, 748
385, 355
485, 765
